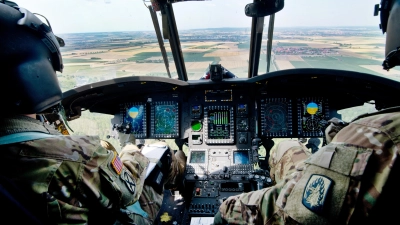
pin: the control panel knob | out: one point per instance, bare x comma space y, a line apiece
225, 169
196, 176
242, 140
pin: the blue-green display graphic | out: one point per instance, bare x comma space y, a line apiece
135, 116
165, 119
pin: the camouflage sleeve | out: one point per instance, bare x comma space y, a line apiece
285, 158
88, 185
136, 163
381, 134
256, 207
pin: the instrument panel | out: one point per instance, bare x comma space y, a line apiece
220, 124
224, 122
223, 128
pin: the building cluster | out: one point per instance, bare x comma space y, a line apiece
303, 51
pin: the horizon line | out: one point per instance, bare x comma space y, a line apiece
280, 27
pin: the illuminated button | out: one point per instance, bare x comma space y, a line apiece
196, 125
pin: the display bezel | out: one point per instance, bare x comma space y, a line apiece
124, 111
231, 122
284, 104
192, 153
322, 115
236, 153
154, 133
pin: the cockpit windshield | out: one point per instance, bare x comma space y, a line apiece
107, 39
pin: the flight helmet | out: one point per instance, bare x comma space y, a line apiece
29, 58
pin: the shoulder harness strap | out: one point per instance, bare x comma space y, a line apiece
22, 137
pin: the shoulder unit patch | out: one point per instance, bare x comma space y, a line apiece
117, 164
129, 181
316, 192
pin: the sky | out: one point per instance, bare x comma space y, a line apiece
77, 16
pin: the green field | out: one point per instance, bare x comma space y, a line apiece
147, 55
244, 45
188, 56
338, 62
73, 68
69, 60
300, 64
199, 57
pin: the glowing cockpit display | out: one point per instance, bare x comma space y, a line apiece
241, 157
165, 119
134, 115
313, 114
197, 157
312, 108
276, 117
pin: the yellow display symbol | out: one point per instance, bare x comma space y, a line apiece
312, 108
133, 112
165, 217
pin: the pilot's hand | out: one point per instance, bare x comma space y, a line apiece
335, 125
218, 220
125, 139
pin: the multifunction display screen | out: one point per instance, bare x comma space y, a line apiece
165, 120
218, 95
134, 117
241, 157
276, 117
219, 124
197, 157
313, 114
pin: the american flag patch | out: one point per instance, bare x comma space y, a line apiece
116, 163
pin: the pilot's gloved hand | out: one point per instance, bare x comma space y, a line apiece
218, 220
335, 125
125, 139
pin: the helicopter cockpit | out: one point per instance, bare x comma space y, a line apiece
224, 120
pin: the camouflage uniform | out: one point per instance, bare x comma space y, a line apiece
339, 184
285, 157
75, 180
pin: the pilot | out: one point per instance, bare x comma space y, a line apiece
49, 178
351, 180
